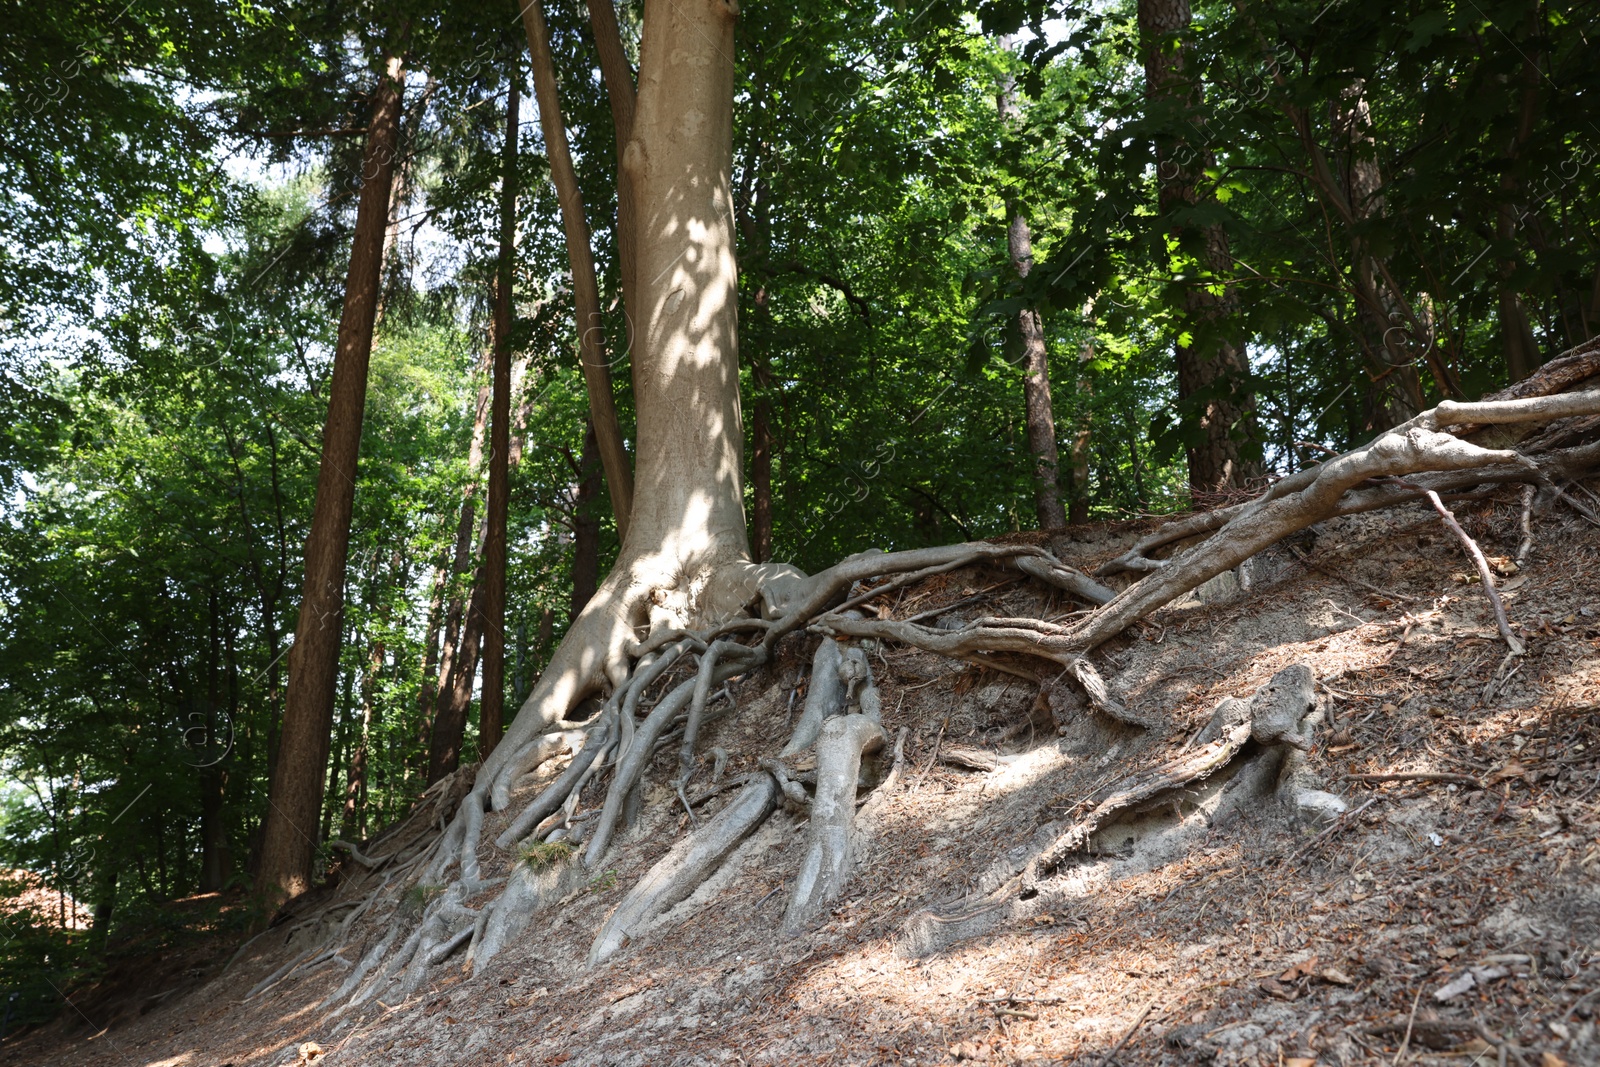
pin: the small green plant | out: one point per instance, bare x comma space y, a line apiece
544, 854
603, 881
419, 896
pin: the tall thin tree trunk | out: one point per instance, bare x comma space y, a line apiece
455, 696
1027, 331
1395, 391
491, 707
1211, 366
621, 93
289, 838
585, 292
1082, 436
456, 613
213, 829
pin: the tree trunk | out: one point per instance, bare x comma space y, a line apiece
1522, 352
688, 514
1082, 437
585, 525
491, 708
1211, 366
429, 731
622, 94
1395, 392
214, 858
455, 694
289, 837
585, 293
1040, 412
1027, 336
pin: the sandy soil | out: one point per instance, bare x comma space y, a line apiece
1453, 918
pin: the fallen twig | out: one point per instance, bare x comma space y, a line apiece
1123, 1041
1525, 548
1513, 642
1405, 1042
1421, 776
1342, 822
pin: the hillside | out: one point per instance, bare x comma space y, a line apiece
1450, 915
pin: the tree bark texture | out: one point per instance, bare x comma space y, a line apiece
289, 837
1211, 366
585, 291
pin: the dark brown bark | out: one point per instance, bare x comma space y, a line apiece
456, 611
491, 708
585, 291
1211, 367
1082, 438
455, 696
1394, 392
295, 796
1039, 411
1516, 332
585, 525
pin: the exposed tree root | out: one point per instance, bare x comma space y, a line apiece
687, 865
1247, 750
649, 621
828, 856
977, 641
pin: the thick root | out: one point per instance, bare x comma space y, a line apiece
828, 858
1253, 748
632, 762
825, 696
686, 865
978, 640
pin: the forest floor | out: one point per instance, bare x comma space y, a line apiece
1451, 919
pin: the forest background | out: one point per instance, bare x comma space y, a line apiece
1228, 239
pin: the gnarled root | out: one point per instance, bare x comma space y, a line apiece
683, 868
828, 858
1250, 747
978, 640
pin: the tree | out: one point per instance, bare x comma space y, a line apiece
585, 291
1028, 335
1211, 364
491, 706
295, 796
